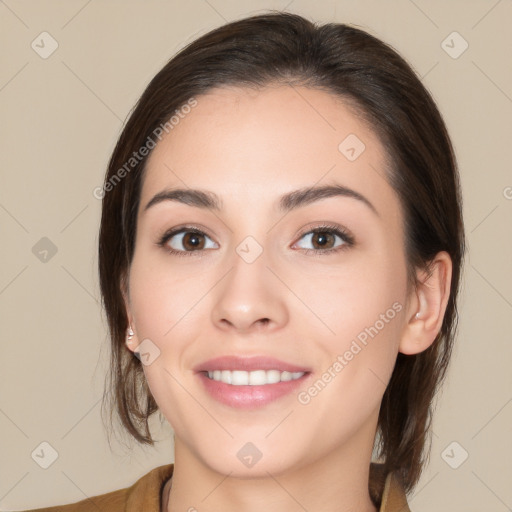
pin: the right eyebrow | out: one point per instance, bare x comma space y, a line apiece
192, 197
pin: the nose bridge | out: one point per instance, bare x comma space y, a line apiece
249, 295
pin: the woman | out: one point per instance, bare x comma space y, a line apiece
280, 252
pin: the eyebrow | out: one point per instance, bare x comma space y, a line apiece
287, 202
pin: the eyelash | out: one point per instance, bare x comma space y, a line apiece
347, 238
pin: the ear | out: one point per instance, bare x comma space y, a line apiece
427, 305
130, 344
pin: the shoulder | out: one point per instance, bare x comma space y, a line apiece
144, 494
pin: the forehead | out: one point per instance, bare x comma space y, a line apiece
250, 145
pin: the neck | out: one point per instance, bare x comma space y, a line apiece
337, 482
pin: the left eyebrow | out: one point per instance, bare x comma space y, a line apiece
287, 202
304, 196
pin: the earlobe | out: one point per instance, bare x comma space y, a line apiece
129, 336
428, 306
130, 339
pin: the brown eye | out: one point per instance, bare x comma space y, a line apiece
193, 241
323, 240
184, 241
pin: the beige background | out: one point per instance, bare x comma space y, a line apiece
60, 118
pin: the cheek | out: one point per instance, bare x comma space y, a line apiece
160, 297
366, 291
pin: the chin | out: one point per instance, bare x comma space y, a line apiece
248, 460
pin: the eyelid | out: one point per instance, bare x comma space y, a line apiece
185, 227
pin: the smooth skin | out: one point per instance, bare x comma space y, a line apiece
303, 300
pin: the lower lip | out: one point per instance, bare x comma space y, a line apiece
249, 397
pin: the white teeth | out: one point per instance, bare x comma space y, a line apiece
225, 376
254, 378
273, 376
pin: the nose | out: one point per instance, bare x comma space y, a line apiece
249, 298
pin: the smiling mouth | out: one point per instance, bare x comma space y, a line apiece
252, 378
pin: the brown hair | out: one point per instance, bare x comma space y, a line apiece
283, 48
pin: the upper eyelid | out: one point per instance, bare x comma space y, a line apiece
185, 229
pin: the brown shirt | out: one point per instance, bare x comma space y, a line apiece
145, 495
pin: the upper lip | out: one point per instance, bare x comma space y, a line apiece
248, 364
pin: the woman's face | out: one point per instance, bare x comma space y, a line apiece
254, 280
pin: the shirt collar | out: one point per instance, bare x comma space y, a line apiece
146, 493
